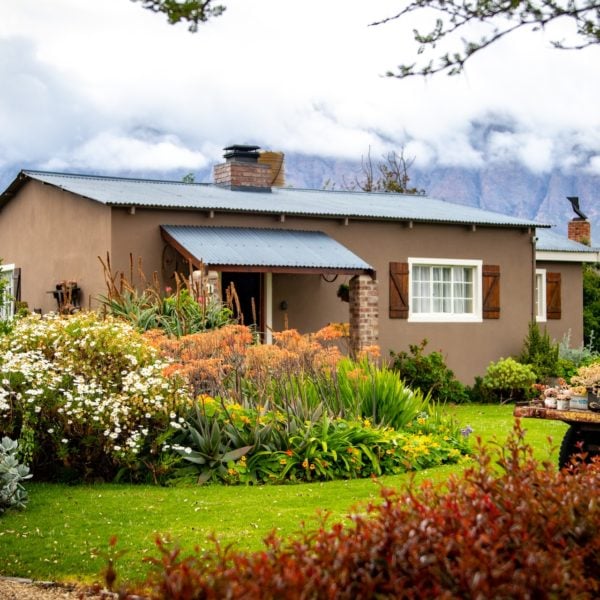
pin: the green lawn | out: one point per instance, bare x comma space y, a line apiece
55, 537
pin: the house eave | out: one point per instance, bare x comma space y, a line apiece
554, 256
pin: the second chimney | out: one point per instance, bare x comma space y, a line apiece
242, 171
580, 231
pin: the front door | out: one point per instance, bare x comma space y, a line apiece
249, 290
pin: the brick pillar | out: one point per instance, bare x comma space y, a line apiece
580, 231
364, 313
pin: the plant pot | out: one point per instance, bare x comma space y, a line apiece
550, 402
579, 402
563, 404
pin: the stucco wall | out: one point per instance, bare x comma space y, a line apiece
52, 236
571, 321
469, 347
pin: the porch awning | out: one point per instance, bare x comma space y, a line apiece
263, 250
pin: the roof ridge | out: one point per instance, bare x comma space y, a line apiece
30, 172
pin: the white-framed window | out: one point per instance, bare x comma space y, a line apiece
7, 305
442, 289
540, 295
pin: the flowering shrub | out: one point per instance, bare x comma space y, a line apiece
522, 530
227, 442
85, 397
222, 361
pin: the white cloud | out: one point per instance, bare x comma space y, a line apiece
117, 152
83, 79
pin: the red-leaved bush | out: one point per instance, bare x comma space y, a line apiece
508, 527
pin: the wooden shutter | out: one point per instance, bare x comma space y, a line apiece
553, 295
491, 291
398, 290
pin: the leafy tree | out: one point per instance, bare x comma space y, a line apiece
389, 175
591, 306
191, 11
454, 19
540, 353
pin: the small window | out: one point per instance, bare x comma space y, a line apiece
540, 295
445, 290
7, 291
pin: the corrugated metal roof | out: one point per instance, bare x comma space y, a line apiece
248, 247
550, 241
319, 203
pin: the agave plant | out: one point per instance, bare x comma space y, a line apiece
204, 443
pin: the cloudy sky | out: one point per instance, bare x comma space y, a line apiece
105, 86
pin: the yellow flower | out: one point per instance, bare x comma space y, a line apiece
283, 461
305, 463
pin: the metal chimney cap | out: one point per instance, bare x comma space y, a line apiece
241, 153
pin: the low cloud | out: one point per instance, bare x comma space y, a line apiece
109, 86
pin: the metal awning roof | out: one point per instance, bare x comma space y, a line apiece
263, 250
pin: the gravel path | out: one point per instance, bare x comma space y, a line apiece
12, 588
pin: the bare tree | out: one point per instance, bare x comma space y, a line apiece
389, 175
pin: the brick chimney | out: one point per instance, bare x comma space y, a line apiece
579, 229
242, 171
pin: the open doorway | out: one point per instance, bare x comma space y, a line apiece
249, 289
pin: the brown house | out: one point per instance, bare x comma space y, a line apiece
466, 279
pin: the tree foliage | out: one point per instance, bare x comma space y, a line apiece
591, 306
458, 20
192, 12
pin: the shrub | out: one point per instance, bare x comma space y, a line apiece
12, 474
591, 306
428, 373
508, 527
184, 310
508, 379
86, 397
540, 353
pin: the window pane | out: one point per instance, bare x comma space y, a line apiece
443, 289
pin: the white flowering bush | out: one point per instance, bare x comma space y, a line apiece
86, 397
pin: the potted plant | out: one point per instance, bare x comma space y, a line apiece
589, 378
550, 397
563, 399
579, 397
343, 292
